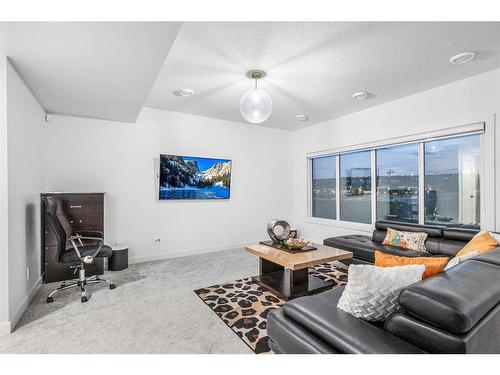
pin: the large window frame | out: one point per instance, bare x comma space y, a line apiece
478, 128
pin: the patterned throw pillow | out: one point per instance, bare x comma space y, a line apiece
372, 292
406, 240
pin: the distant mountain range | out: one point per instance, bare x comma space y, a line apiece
218, 173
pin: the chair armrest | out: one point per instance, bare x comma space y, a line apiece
86, 232
80, 238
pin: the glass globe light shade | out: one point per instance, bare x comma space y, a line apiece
256, 106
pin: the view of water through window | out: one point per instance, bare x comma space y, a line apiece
452, 186
451, 183
397, 183
324, 187
355, 187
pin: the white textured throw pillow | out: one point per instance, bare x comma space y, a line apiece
457, 260
372, 292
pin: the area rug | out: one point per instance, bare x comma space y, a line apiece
243, 305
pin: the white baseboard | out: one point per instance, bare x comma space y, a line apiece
24, 305
177, 254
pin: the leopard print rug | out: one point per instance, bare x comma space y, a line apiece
243, 305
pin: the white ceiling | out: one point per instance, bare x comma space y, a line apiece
314, 68
96, 69
107, 70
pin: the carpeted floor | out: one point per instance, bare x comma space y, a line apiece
152, 310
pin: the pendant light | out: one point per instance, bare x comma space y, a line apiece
256, 104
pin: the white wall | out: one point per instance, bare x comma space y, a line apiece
4, 203
122, 159
26, 173
470, 100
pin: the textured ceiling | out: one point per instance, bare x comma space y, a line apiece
92, 69
314, 68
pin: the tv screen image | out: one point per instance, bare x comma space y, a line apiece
189, 177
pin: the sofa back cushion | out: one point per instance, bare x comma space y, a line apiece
431, 230
455, 300
440, 240
481, 339
459, 234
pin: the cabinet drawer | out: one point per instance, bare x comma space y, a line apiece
82, 203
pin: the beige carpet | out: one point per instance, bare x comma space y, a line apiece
152, 310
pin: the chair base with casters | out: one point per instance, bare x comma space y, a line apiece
81, 282
79, 254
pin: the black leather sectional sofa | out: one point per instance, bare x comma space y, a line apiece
441, 241
456, 311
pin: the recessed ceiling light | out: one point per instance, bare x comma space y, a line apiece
462, 58
302, 117
183, 92
360, 95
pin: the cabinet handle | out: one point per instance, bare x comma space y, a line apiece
78, 206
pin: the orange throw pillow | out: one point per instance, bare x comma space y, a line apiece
432, 265
481, 242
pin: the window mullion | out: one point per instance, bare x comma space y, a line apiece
421, 183
374, 185
337, 187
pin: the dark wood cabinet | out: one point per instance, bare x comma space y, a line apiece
77, 212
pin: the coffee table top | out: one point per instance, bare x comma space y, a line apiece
298, 261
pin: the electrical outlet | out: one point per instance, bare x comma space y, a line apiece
27, 273
157, 242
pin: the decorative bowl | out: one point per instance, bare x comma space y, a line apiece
297, 243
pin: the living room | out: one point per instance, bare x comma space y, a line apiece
209, 187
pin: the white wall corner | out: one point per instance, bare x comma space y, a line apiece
24, 304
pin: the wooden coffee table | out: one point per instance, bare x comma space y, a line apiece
287, 274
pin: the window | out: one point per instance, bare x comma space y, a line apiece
324, 186
452, 192
355, 187
420, 181
397, 183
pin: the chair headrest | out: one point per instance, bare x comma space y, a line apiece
50, 205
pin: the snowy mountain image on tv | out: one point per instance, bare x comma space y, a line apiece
186, 177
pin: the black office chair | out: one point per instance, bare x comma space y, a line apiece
78, 255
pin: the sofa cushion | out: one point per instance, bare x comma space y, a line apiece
431, 230
481, 339
481, 242
448, 247
364, 248
492, 257
432, 265
286, 336
320, 316
457, 299
459, 234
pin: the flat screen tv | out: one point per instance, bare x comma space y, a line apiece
189, 177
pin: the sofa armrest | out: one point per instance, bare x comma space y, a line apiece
320, 317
